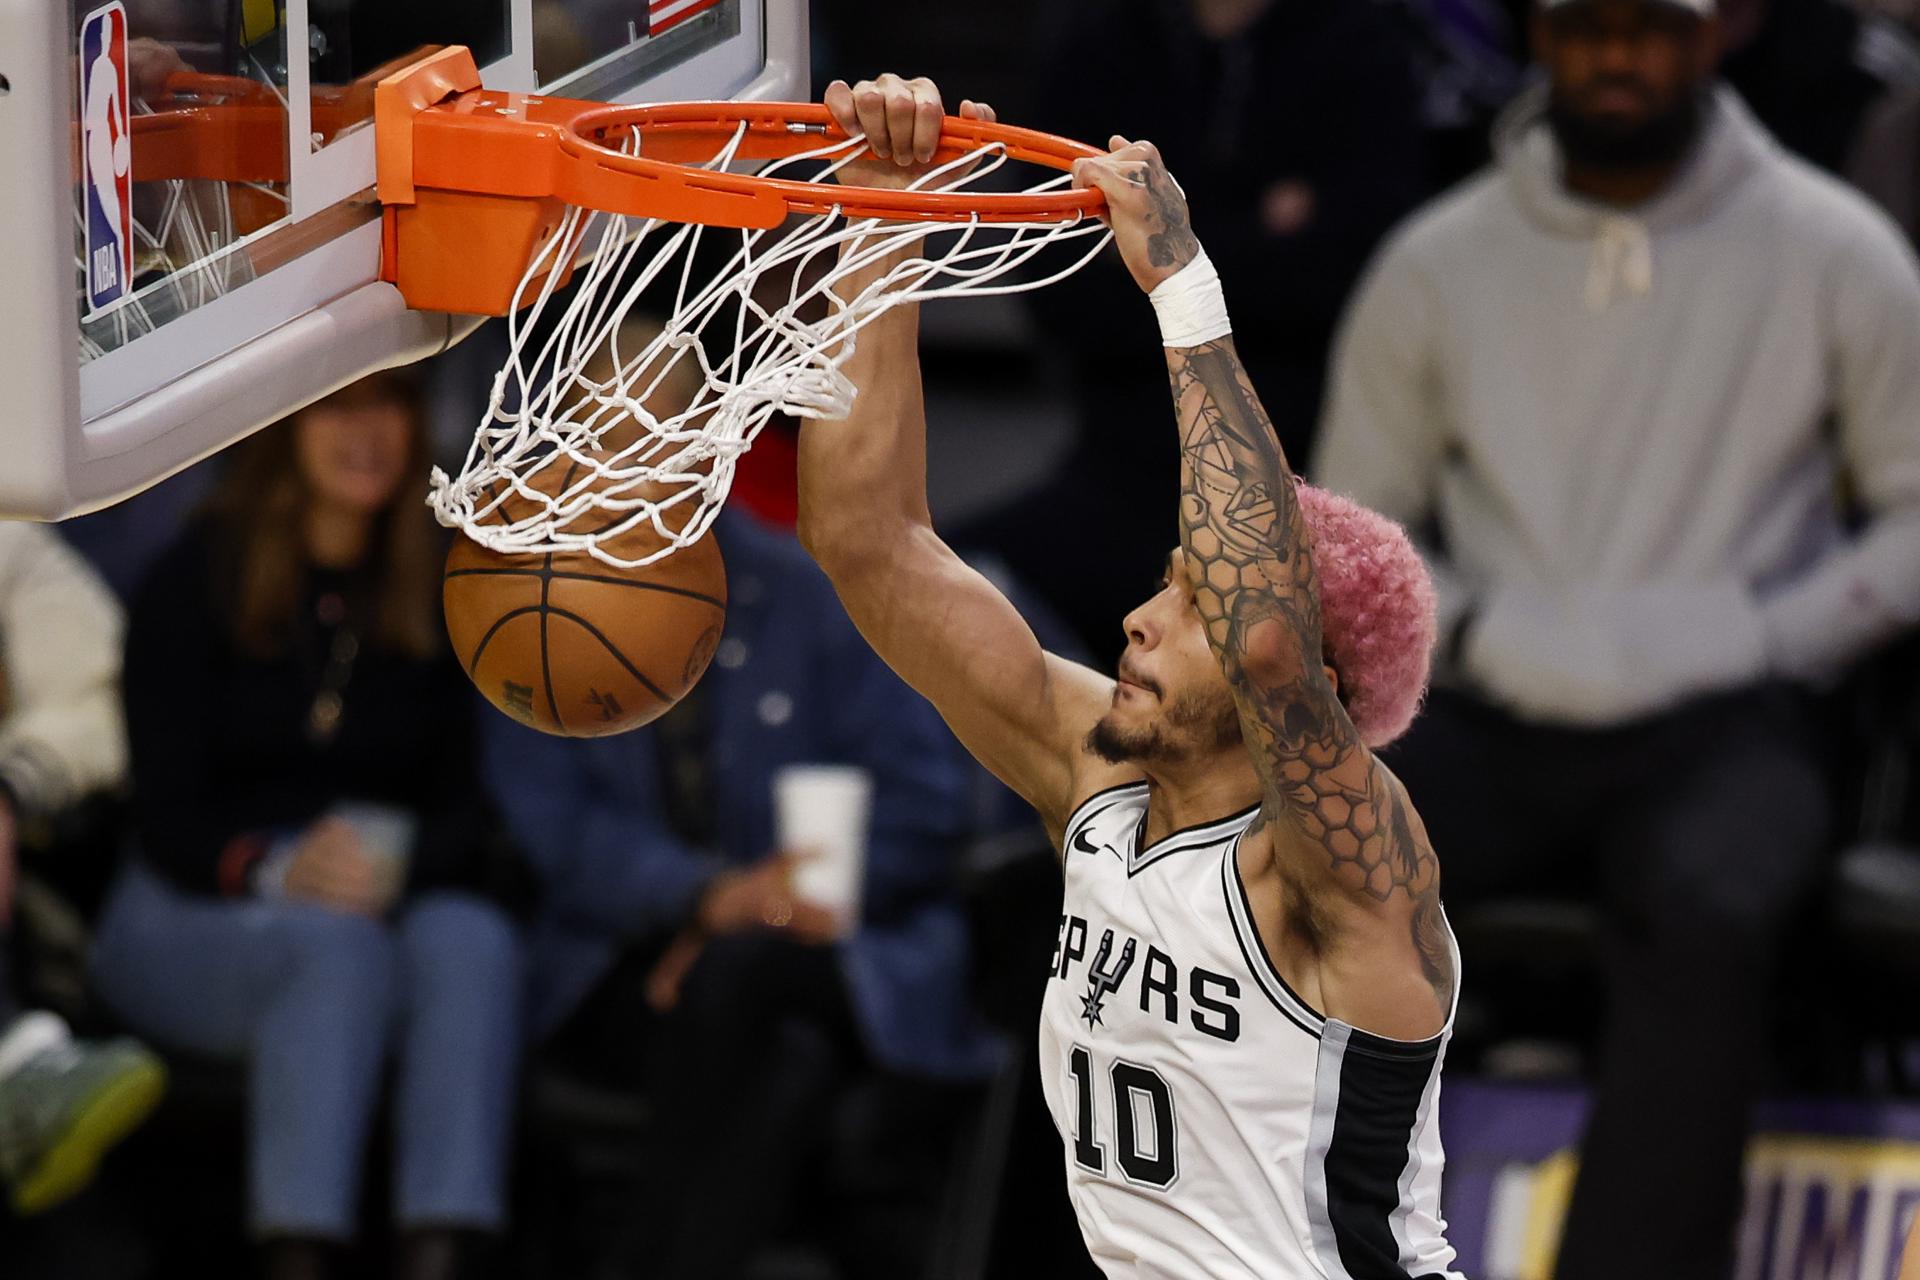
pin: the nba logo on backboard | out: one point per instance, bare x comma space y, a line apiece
106, 158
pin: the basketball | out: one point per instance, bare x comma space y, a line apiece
571, 646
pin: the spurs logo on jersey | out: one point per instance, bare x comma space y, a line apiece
1215, 1125
1102, 981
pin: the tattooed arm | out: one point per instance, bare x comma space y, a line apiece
943, 627
1352, 860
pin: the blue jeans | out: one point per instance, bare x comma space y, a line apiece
314, 1001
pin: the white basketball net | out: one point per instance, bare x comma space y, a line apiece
567, 461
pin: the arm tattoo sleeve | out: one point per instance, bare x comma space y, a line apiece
1250, 559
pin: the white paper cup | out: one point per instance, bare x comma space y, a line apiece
820, 812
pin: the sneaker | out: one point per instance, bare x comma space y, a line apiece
64, 1104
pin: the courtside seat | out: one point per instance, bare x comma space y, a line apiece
575, 1174
1533, 964
584, 1143
180, 1181
584, 1139
1542, 933
1876, 914
1532, 986
1875, 908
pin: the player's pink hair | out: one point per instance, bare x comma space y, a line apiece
1377, 612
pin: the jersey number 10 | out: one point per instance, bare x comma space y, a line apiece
1146, 1142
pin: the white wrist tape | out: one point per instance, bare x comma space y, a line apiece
1191, 305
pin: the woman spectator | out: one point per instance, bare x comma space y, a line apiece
312, 891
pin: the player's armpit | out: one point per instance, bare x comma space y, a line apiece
951, 635
1355, 859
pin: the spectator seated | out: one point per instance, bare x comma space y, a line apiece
316, 888
673, 956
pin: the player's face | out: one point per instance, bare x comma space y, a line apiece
1172, 702
1626, 77
353, 452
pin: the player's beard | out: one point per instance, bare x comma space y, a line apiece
1658, 142
1194, 724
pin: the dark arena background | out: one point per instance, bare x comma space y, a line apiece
312, 964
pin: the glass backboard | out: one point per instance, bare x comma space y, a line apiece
193, 239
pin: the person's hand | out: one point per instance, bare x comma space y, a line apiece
9, 857
670, 971
762, 897
1145, 207
150, 64
756, 897
329, 867
902, 120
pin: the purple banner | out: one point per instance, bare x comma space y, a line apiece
1831, 1185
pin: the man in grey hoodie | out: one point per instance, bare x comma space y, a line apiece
1650, 388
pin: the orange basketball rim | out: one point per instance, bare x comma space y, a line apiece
473, 181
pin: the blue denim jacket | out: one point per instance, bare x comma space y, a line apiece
792, 682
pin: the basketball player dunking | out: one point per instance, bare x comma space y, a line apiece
1254, 982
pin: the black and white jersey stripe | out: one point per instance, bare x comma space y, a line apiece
1373, 1102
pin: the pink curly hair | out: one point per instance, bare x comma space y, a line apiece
1377, 612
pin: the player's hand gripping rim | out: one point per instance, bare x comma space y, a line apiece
902, 121
1145, 207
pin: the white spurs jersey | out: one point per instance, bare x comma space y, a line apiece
1215, 1125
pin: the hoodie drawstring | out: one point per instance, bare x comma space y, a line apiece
1622, 250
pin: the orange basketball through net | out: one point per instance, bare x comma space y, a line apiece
570, 646
495, 203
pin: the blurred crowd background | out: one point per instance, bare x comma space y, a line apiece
423, 993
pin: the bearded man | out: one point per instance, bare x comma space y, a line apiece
1650, 388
